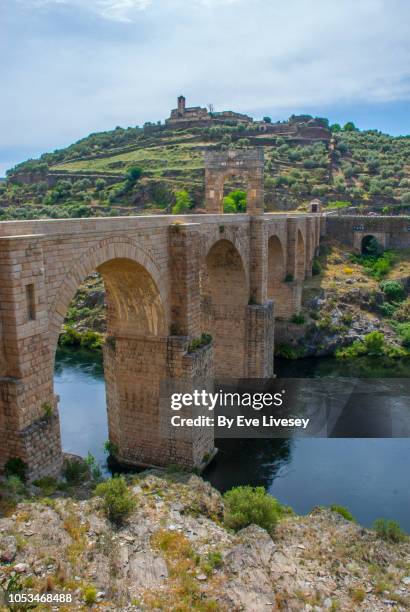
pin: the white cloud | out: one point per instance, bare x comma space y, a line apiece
63, 79
115, 10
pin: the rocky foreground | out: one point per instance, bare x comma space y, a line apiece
173, 553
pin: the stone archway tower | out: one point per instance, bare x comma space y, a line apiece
245, 163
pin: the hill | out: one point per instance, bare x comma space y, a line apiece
137, 169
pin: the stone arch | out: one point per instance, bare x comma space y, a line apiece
247, 164
276, 275
224, 298
131, 261
370, 245
136, 354
300, 257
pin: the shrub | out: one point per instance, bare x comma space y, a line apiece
299, 319
288, 278
246, 505
117, 499
403, 329
393, 290
182, 202
69, 337
374, 343
15, 466
389, 530
74, 470
91, 340
289, 352
134, 173
90, 595
342, 511
198, 343
316, 267
387, 309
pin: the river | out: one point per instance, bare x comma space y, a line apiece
368, 476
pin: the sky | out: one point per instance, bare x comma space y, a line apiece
72, 67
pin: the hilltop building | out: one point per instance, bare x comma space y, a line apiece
187, 116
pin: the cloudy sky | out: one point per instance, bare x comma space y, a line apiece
71, 67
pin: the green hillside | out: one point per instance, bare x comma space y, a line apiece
137, 170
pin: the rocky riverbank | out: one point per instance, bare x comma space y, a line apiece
174, 553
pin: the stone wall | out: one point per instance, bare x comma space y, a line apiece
392, 232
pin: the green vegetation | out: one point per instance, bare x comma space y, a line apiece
90, 595
289, 352
182, 203
377, 266
342, 511
235, 202
126, 170
373, 345
75, 471
118, 501
389, 530
15, 466
393, 290
299, 319
200, 342
246, 505
89, 340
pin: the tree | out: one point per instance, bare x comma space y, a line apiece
134, 173
350, 127
336, 127
267, 120
182, 202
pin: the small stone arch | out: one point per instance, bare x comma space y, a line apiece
224, 298
370, 245
248, 164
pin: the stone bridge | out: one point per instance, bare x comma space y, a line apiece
168, 279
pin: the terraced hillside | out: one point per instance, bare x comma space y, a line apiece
128, 171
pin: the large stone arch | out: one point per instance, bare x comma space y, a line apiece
276, 275
224, 299
247, 164
102, 258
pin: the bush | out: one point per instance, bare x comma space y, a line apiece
182, 202
389, 530
316, 267
92, 341
74, 470
246, 505
374, 343
298, 319
342, 511
90, 595
15, 466
403, 329
117, 499
393, 290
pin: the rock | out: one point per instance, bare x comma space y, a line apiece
201, 577
8, 548
20, 568
147, 570
406, 580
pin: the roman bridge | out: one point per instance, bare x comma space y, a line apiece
168, 279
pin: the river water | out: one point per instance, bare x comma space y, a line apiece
371, 477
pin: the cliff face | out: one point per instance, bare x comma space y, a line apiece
173, 553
